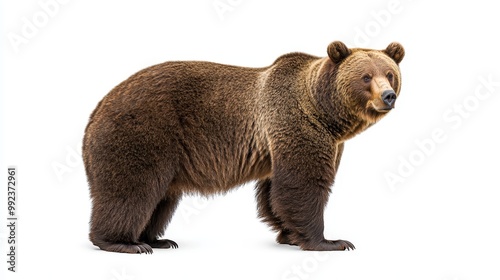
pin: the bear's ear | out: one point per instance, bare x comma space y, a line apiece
338, 51
395, 51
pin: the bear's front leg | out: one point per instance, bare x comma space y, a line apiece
301, 181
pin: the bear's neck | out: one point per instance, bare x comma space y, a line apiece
331, 109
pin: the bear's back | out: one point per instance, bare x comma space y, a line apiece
202, 114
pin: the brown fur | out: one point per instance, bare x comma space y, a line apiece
200, 127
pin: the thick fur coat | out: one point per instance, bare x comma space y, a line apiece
201, 127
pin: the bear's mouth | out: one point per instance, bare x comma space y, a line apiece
380, 108
383, 110
374, 113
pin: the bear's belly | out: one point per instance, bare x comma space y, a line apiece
212, 166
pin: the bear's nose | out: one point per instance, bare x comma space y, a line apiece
389, 97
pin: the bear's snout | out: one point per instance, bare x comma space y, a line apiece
389, 98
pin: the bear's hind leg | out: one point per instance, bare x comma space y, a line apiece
159, 221
117, 222
122, 210
265, 212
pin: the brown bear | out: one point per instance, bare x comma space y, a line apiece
198, 127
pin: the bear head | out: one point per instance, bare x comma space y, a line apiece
367, 81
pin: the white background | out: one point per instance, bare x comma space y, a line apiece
439, 219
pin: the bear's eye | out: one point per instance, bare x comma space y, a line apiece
390, 77
367, 78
